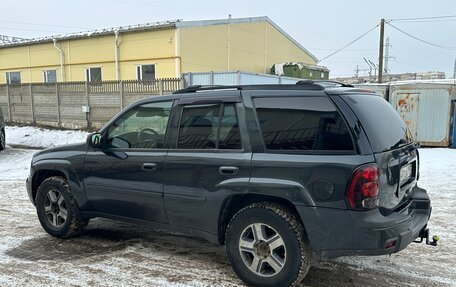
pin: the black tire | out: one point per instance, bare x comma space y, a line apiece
276, 220
73, 224
2, 140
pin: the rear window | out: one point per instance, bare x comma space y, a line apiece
302, 124
383, 125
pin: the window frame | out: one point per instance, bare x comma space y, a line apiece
8, 77
221, 104
304, 152
88, 74
139, 72
46, 76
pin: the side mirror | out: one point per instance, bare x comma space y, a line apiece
94, 140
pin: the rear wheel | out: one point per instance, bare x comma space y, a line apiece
2, 140
57, 209
267, 246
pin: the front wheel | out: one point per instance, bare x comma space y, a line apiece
267, 246
57, 209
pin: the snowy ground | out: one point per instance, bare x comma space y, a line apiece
113, 253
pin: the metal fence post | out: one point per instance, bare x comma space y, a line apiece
211, 81
238, 77
57, 95
181, 83
88, 104
10, 116
160, 87
32, 105
121, 92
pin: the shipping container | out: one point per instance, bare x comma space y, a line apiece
426, 109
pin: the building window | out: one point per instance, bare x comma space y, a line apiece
93, 75
310, 74
322, 75
50, 76
13, 77
145, 73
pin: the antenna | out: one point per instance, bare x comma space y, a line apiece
387, 56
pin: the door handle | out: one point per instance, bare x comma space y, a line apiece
228, 170
149, 166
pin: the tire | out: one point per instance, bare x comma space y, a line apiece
2, 140
264, 233
53, 198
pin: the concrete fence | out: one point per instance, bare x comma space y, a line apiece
76, 105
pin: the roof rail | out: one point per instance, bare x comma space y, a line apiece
324, 83
196, 88
301, 85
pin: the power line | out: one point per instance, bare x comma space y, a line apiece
34, 30
43, 25
421, 40
337, 51
429, 21
421, 18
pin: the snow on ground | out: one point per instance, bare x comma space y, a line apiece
33, 137
113, 253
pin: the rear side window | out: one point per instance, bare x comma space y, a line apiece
383, 125
302, 124
211, 126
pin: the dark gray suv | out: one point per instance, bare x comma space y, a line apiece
279, 174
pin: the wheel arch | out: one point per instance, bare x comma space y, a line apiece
234, 203
62, 168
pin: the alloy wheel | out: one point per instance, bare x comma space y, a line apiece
262, 249
55, 208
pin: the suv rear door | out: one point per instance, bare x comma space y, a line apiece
307, 152
208, 160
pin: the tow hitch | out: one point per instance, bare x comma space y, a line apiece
424, 234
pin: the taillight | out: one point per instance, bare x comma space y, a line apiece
362, 189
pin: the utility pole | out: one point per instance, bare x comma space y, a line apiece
387, 56
380, 52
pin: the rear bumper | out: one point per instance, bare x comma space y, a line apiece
335, 232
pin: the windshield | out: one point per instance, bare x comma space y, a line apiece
384, 127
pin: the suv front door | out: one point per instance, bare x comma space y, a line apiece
125, 176
208, 160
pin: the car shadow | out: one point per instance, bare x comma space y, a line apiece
106, 239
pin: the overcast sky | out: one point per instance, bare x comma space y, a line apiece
320, 26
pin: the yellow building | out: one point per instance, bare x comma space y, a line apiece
150, 51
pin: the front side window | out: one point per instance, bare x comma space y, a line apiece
212, 126
50, 76
13, 77
141, 127
93, 75
145, 72
302, 124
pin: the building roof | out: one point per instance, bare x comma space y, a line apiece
153, 26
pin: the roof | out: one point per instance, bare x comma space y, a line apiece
155, 26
